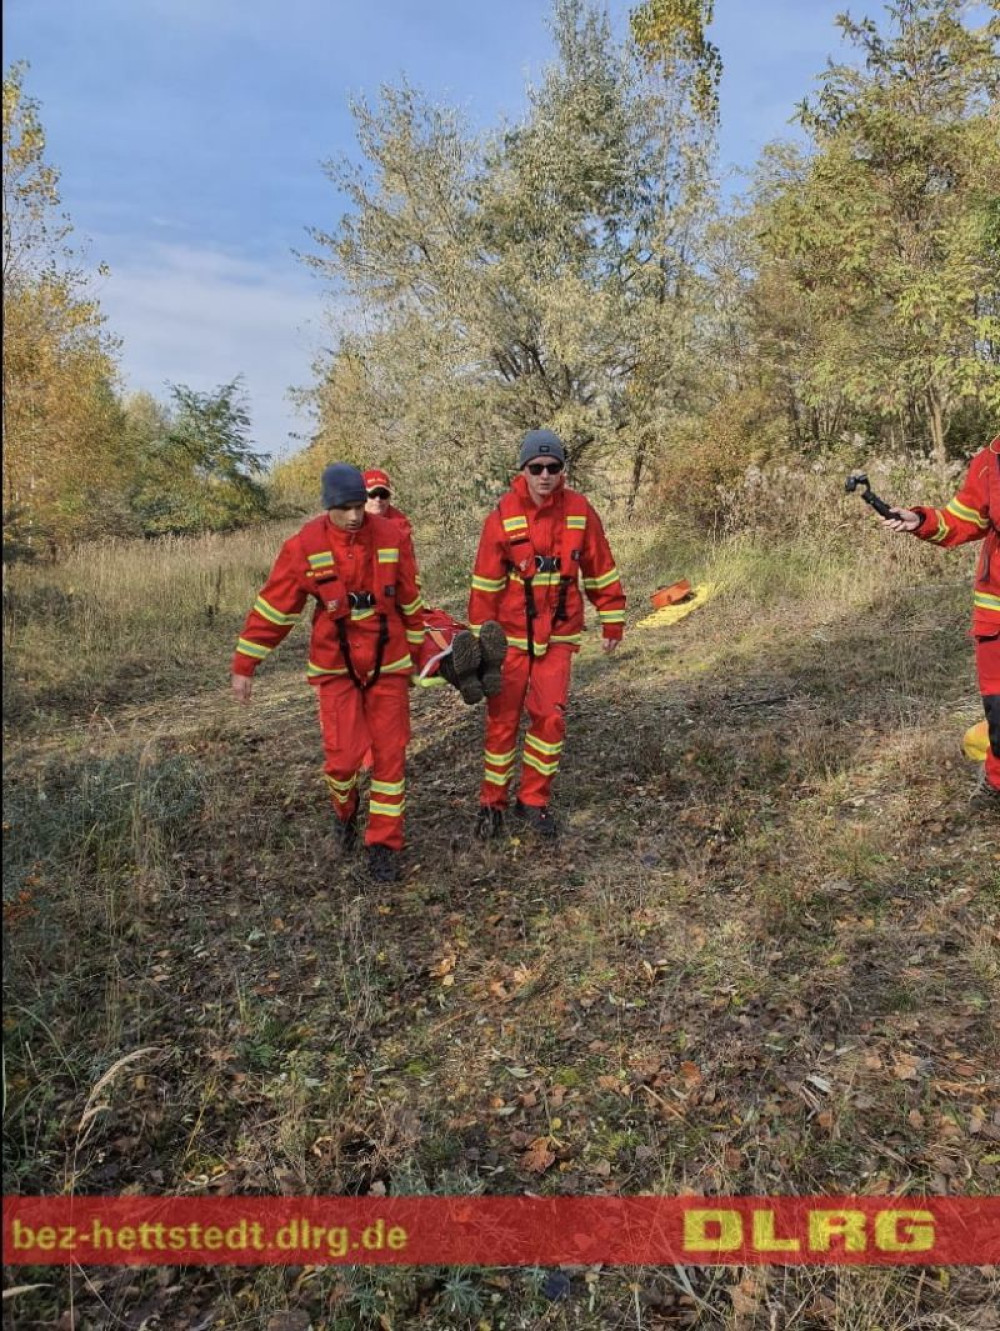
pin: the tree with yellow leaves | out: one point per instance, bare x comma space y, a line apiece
60, 411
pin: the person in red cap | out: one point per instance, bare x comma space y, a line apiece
536, 545
469, 662
378, 489
974, 515
368, 619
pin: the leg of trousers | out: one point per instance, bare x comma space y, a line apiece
503, 713
988, 668
548, 693
542, 685
353, 722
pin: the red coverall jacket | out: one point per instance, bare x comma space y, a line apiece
374, 558
974, 515
401, 520
498, 590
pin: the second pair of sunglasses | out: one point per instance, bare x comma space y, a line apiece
550, 468
378, 493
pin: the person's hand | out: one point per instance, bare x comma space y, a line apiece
242, 687
609, 645
903, 519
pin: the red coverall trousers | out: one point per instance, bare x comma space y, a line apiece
988, 668
353, 722
542, 685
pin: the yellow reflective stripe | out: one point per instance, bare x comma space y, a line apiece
388, 787
415, 636
611, 616
986, 601
257, 650
546, 769
942, 530
967, 514
341, 790
266, 609
515, 524
323, 560
522, 645
387, 810
388, 555
496, 779
358, 615
412, 607
488, 584
541, 745
474, 630
499, 759
566, 637
313, 671
605, 580
539, 579
577, 523
404, 663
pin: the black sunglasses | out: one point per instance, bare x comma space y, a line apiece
378, 493
550, 468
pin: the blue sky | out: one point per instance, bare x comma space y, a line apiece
189, 135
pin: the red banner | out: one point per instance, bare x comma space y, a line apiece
501, 1231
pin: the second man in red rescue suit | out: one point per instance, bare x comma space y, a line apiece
974, 515
368, 618
469, 662
536, 546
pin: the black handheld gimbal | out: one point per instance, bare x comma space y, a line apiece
858, 479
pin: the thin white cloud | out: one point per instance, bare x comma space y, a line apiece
201, 316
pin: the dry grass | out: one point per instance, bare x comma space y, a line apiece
763, 958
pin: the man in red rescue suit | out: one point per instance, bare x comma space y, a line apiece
469, 662
536, 545
974, 515
368, 618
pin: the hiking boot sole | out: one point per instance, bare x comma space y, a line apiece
466, 659
493, 649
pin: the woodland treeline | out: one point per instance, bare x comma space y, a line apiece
582, 268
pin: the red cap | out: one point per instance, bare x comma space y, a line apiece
376, 477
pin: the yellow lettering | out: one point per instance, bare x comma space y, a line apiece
713, 1230
764, 1237
287, 1236
236, 1237
904, 1231
824, 1226
337, 1240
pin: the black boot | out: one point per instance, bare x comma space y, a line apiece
461, 666
493, 650
985, 798
489, 823
538, 819
383, 864
345, 834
